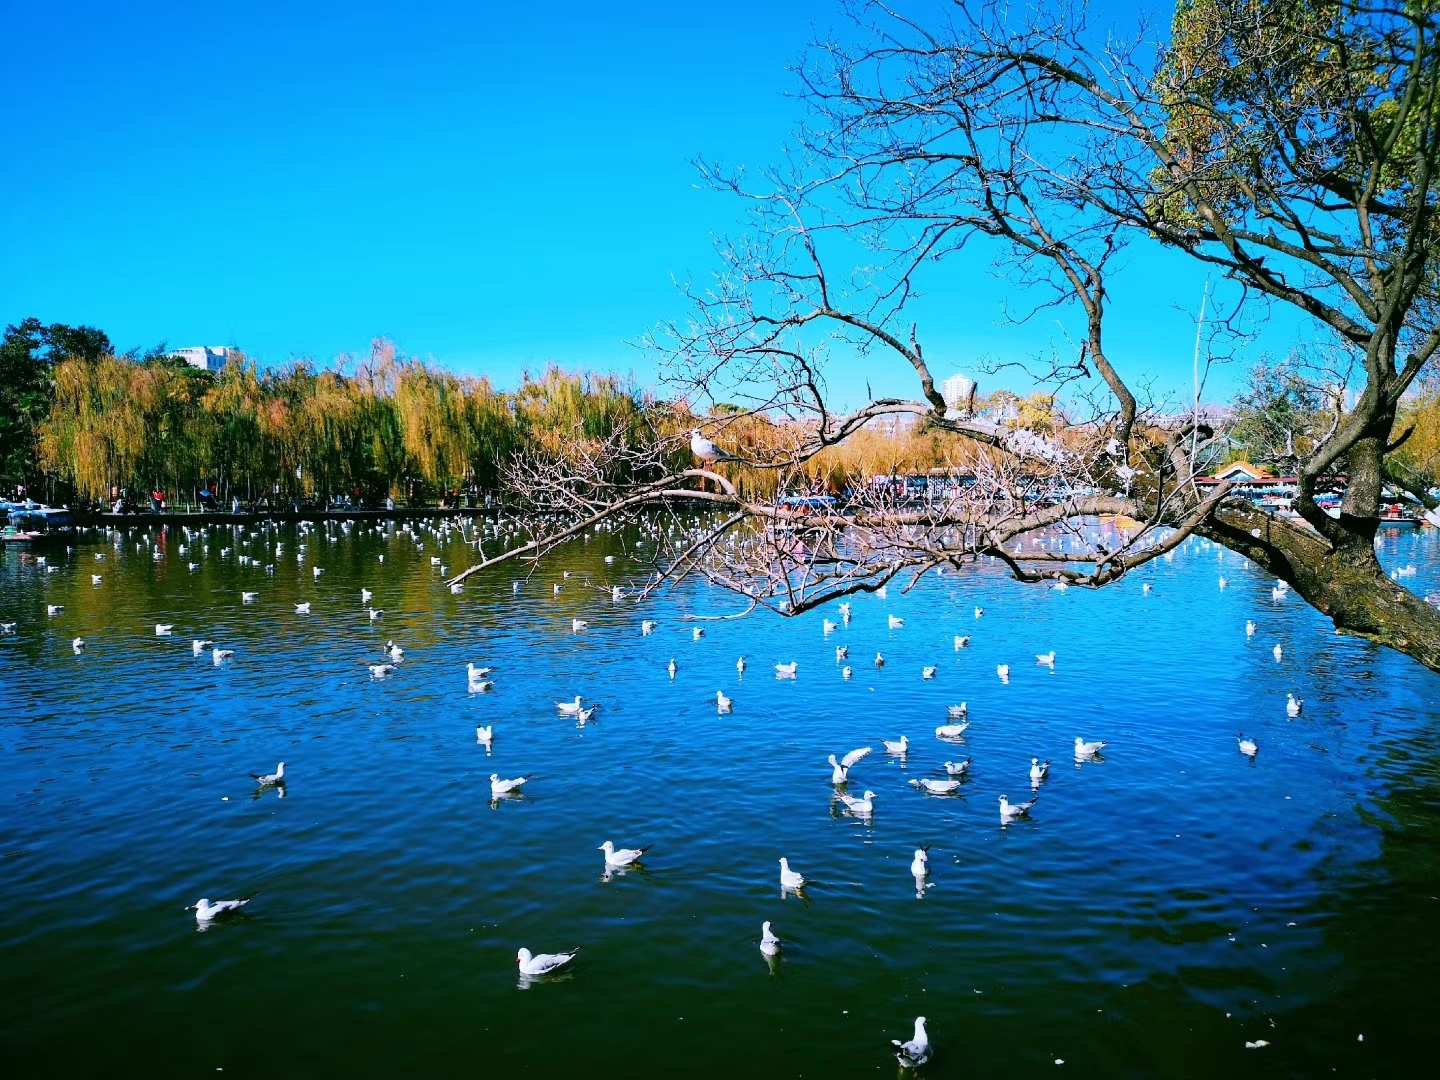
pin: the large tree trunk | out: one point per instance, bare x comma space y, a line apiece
1343, 581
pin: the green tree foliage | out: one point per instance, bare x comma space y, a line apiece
28, 355
301, 431
1280, 416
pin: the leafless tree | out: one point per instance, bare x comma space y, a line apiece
1289, 147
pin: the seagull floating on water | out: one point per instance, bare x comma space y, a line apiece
697, 633
1003, 670
896, 622
542, 963
672, 667
1085, 749
842, 652
740, 665
722, 702
951, 731
647, 627
206, 911
921, 864
840, 770
269, 779
862, 806
845, 672
622, 856
957, 768
199, 645
1250, 628
78, 645
787, 669
1248, 747
769, 943
303, 609
830, 626
248, 597
505, 787
379, 671
979, 611
1293, 706
485, 736
365, 596
962, 641
928, 672
1038, 769
1048, 659
1278, 652
164, 629
576, 625
219, 656
789, 879
936, 787
958, 712
916, 1051
569, 708
901, 747
1010, 811
879, 660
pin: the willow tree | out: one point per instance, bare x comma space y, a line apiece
1288, 147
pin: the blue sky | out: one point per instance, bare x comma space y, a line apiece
493, 186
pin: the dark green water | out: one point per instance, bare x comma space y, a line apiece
1163, 907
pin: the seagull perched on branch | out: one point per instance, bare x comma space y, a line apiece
706, 450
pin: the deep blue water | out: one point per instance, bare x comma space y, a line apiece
1162, 907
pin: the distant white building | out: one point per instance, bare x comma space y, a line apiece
204, 357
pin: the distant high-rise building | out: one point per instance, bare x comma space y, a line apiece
204, 357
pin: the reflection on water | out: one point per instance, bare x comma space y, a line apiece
1160, 907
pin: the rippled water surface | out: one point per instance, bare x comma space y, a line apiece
1164, 906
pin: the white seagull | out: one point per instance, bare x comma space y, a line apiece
268, 779
1038, 769
1250, 628
485, 736
936, 787
842, 652
1293, 706
915, 1052
840, 770
164, 629
569, 708
789, 879
672, 667
921, 866
1048, 659
862, 806
958, 712
78, 645
1010, 811
1003, 670
219, 656
542, 963
697, 633
303, 609
1278, 652
576, 625
961, 642
1248, 747
622, 856
706, 450
1085, 749
647, 627
951, 731
205, 910
740, 665
928, 672
505, 787
957, 768
248, 597
902, 747
896, 622
722, 702
787, 669
769, 943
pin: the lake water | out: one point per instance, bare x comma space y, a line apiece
1163, 906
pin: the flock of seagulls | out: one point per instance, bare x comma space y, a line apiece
912, 1052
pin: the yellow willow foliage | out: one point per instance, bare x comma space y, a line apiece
431, 406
